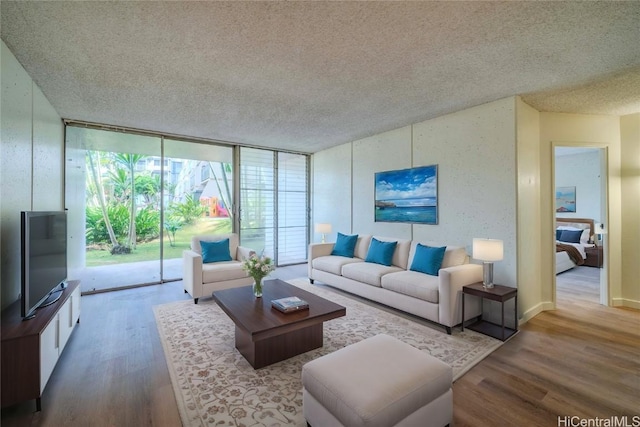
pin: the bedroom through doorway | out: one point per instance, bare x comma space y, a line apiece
580, 182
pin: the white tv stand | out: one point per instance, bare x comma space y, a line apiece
31, 348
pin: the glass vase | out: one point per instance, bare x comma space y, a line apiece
257, 287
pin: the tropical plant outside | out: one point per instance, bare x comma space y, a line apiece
123, 211
150, 250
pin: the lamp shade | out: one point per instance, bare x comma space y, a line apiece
323, 228
488, 249
600, 228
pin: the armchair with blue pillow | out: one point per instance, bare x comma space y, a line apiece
213, 263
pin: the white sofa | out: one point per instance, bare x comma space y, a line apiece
435, 298
202, 279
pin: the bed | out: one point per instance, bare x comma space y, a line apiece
573, 236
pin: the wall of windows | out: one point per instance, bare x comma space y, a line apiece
135, 200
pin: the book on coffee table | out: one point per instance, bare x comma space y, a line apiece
289, 304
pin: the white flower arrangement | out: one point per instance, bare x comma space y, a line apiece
258, 267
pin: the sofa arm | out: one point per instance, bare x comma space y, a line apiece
192, 273
451, 281
244, 253
317, 250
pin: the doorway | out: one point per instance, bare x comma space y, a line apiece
580, 187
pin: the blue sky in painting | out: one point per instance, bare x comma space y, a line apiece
565, 192
408, 187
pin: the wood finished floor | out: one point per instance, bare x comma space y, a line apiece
582, 359
581, 283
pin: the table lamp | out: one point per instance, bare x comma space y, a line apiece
323, 229
488, 251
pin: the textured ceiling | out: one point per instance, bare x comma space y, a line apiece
305, 76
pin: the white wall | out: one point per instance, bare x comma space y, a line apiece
581, 170
475, 152
494, 172
528, 158
32, 164
383, 152
331, 190
630, 174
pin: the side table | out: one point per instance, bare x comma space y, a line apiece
594, 257
497, 293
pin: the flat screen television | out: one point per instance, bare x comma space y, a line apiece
44, 259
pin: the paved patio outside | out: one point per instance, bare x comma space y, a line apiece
95, 279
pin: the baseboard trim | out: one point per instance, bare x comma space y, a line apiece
535, 310
625, 302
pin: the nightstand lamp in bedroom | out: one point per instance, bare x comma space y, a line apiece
488, 251
600, 231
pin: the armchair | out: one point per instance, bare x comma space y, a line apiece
202, 279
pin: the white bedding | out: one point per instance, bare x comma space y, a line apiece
579, 246
563, 262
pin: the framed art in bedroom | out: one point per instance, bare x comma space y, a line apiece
565, 199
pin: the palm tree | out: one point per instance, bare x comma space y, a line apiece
99, 194
130, 160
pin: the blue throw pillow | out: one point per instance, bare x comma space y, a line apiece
215, 251
345, 245
381, 252
558, 234
428, 259
570, 236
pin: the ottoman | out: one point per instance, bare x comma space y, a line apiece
379, 381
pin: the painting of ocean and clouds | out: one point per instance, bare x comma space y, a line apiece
565, 199
407, 195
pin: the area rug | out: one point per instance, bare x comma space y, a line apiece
215, 386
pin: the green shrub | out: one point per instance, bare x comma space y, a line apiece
147, 224
186, 212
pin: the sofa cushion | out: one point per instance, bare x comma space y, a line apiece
221, 271
381, 252
215, 251
345, 245
428, 259
453, 255
362, 246
332, 263
413, 284
367, 272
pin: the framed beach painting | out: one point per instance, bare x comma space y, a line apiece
407, 195
565, 199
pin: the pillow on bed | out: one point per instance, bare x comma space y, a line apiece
584, 238
570, 236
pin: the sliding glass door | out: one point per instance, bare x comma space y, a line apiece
112, 198
257, 200
274, 207
198, 197
293, 208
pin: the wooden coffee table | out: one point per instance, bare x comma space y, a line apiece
264, 335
